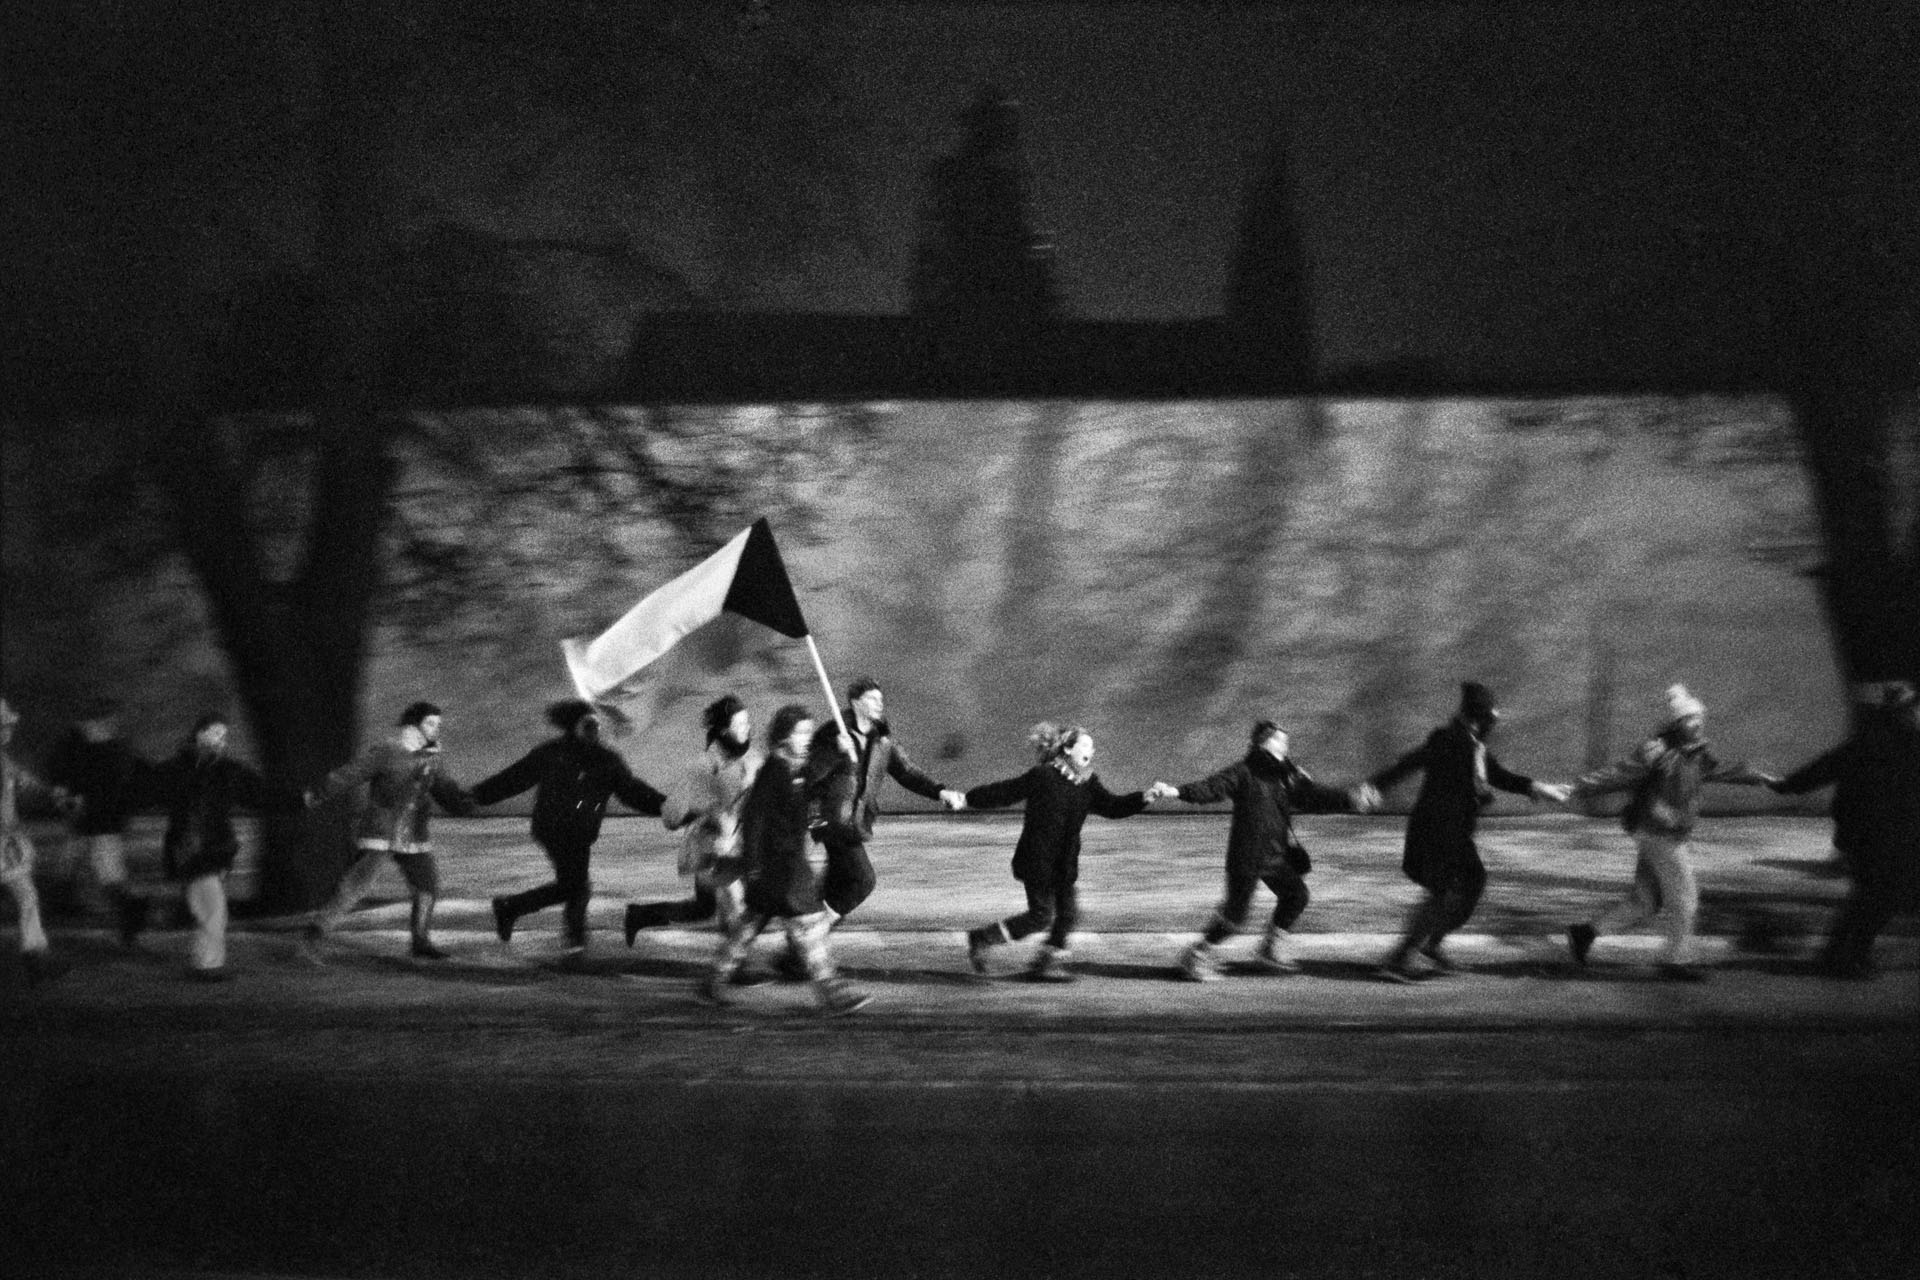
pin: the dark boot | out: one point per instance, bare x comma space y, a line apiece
423, 948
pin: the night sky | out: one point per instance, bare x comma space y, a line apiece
1498, 188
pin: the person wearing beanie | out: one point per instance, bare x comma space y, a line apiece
1059, 791
1875, 776
19, 784
572, 777
398, 781
1458, 778
779, 879
199, 787
1267, 788
1662, 777
706, 807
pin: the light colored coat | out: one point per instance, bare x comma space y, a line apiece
707, 805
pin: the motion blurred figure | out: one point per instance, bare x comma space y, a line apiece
1267, 788
1663, 776
17, 784
572, 776
706, 806
94, 763
1459, 775
1875, 776
779, 879
199, 787
403, 779
1060, 790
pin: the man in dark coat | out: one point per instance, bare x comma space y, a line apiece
1459, 776
199, 787
1875, 775
572, 777
849, 876
1267, 788
779, 878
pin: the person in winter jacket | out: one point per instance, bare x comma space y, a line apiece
1875, 776
572, 777
1459, 776
17, 784
199, 787
94, 763
1663, 777
402, 779
706, 806
1267, 788
875, 756
1060, 791
779, 879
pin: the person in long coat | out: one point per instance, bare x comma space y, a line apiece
199, 787
779, 878
1059, 791
1458, 777
572, 777
1267, 788
1875, 776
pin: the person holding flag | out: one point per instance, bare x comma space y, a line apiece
779, 878
868, 744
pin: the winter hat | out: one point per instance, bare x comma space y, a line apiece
417, 712
1681, 704
1476, 701
567, 713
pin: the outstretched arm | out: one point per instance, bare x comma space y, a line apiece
998, 795
1108, 805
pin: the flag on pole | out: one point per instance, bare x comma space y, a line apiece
747, 577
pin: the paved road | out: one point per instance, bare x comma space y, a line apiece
499, 1115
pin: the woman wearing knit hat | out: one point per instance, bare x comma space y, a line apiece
1663, 776
1459, 775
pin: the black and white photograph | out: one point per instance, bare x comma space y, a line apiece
948, 639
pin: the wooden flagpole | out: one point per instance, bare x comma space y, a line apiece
833, 702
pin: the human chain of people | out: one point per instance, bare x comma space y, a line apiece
749, 817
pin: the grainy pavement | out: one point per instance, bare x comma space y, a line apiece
498, 1114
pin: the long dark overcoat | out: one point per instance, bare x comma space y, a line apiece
1447, 810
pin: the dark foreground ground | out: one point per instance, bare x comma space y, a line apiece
498, 1115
